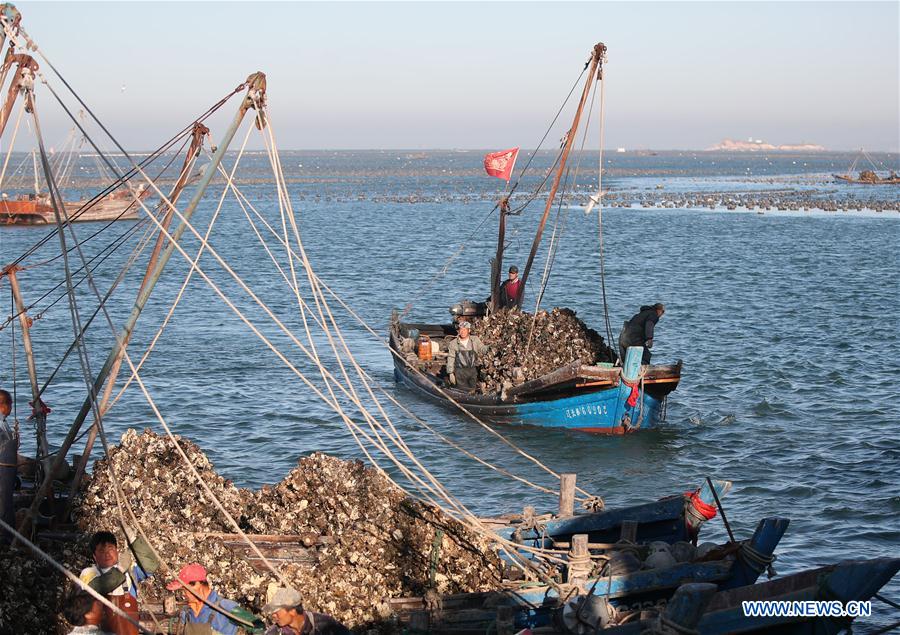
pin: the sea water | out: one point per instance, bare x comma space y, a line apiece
786, 323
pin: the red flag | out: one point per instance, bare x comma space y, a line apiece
501, 164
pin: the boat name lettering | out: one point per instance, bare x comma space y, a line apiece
582, 411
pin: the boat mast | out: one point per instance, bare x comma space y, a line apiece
256, 89
594, 66
197, 135
497, 265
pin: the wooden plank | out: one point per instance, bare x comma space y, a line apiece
305, 539
599, 372
567, 494
558, 376
667, 508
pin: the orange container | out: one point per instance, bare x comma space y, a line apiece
424, 348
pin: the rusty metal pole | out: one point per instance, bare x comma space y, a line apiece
196, 142
40, 416
256, 86
497, 269
596, 58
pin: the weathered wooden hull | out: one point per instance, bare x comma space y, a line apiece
576, 397
34, 212
850, 179
541, 607
851, 580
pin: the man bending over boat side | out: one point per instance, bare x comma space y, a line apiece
117, 578
462, 358
638, 331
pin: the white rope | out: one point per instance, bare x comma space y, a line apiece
259, 334
12, 143
386, 345
244, 204
477, 525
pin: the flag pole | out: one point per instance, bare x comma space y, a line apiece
497, 263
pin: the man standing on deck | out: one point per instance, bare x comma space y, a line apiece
638, 331
207, 613
462, 358
511, 290
117, 579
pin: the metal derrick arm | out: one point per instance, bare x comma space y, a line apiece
595, 73
197, 135
497, 264
21, 81
256, 96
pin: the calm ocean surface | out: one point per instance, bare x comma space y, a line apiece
786, 323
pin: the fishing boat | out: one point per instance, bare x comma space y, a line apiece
602, 398
38, 210
708, 597
614, 581
868, 177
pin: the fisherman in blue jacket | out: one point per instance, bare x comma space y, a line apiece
638, 331
207, 613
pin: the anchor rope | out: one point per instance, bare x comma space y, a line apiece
244, 204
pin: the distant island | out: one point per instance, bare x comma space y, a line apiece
755, 145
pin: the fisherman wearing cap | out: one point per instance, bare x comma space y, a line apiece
638, 331
206, 612
511, 290
462, 358
116, 575
286, 609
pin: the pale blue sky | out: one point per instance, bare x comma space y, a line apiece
486, 75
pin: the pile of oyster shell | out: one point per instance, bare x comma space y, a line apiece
525, 346
360, 539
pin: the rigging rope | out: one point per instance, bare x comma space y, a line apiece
327, 376
12, 142
386, 345
417, 295
602, 83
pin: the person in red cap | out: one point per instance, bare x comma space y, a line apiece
206, 612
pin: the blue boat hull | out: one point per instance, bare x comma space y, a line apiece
601, 412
